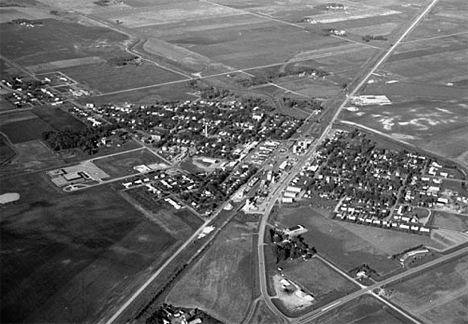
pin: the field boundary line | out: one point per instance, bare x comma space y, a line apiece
411, 317
353, 41
435, 37
255, 14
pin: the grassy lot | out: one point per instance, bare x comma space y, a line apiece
189, 218
171, 92
77, 155
263, 315
7, 70
317, 278
25, 130
190, 166
437, 296
6, 152
438, 126
122, 164
222, 280
5, 105
450, 221
349, 245
180, 227
32, 187
69, 258
31, 155
363, 310
58, 119
390, 242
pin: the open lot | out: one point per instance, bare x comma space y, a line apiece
145, 96
30, 156
106, 78
450, 221
263, 315
318, 279
32, 188
56, 41
179, 224
123, 164
221, 282
437, 296
362, 310
68, 258
257, 45
6, 152
349, 245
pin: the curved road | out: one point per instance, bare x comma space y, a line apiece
298, 167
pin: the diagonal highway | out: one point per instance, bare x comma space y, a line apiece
404, 275
298, 167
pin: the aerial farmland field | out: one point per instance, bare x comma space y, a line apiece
30, 156
58, 119
318, 279
437, 296
80, 256
364, 310
25, 130
55, 41
221, 281
68, 258
6, 151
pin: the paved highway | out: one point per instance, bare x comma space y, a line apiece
297, 168
318, 312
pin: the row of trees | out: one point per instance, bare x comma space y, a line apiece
87, 139
286, 247
295, 71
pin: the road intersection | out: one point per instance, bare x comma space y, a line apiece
353, 89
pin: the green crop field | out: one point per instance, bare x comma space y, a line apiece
437, 296
363, 310
68, 258
221, 282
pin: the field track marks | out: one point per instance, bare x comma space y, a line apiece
255, 14
435, 37
130, 45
